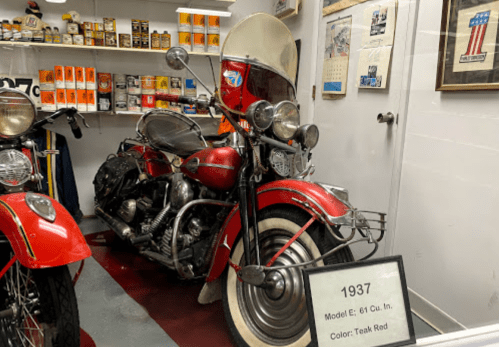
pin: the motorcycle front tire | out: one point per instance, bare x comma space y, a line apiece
277, 315
48, 308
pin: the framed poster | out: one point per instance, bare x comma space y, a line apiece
467, 57
331, 6
359, 304
336, 56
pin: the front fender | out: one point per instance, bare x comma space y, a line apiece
290, 192
37, 242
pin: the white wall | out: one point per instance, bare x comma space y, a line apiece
304, 26
446, 228
107, 131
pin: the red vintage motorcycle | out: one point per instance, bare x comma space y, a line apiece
38, 237
237, 212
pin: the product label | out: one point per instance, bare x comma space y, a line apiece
233, 78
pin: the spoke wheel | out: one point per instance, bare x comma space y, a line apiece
44, 306
277, 314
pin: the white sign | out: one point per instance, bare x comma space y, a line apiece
359, 304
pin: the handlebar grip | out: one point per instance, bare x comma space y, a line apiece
168, 97
176, 98
76, 130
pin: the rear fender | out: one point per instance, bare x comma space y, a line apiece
36, 242
302, 194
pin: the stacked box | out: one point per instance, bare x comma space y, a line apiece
161, 88
136, 33
46, 78
80, 78
69, 77
90, 78
105, 90
120, 94
81, 100
59, 77
61, 98
48, 100
175, 88
91, 100
71, 97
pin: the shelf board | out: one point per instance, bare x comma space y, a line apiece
95, 48
125, 113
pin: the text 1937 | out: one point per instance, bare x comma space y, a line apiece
353, 290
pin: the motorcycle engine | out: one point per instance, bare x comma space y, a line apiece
181, 191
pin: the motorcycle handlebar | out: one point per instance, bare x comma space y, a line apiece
70, 113
176, 98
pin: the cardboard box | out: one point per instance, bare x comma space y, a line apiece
91, 100
61, 98
71, 97
80, 78
90, 78
81, 99
48, 100
69, 77
59, 77
46, 78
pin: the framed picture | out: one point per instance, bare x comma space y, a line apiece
467, 58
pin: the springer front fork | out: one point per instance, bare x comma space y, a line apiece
247, 192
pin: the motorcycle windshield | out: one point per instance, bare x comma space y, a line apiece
264, 40
176, 134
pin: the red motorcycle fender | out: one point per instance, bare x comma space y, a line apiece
37, 242
289, 192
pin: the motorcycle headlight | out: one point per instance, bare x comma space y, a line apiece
308, 135
15, 168
259, 115
41, 205
17, 112
286, 120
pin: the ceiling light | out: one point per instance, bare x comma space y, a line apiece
205, 12
56, 1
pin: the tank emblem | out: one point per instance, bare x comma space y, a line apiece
233, 78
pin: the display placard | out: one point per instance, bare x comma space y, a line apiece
359, 304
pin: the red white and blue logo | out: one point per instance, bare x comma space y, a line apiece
479, 26
233, 78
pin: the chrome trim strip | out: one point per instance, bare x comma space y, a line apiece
20, 228
219, 166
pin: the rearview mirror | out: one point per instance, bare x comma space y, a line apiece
177, 58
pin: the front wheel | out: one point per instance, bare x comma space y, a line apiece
277, 315
45, 308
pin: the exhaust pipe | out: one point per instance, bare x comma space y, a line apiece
122, 229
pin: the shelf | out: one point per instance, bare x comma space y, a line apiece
219, 4
127, 113
95, 48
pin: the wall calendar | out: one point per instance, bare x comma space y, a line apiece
336, 57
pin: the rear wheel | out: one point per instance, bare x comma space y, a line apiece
45, 308
277, 315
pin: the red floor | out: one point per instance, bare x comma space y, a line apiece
171, 303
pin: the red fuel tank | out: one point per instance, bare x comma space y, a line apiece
155, 163
216, 168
